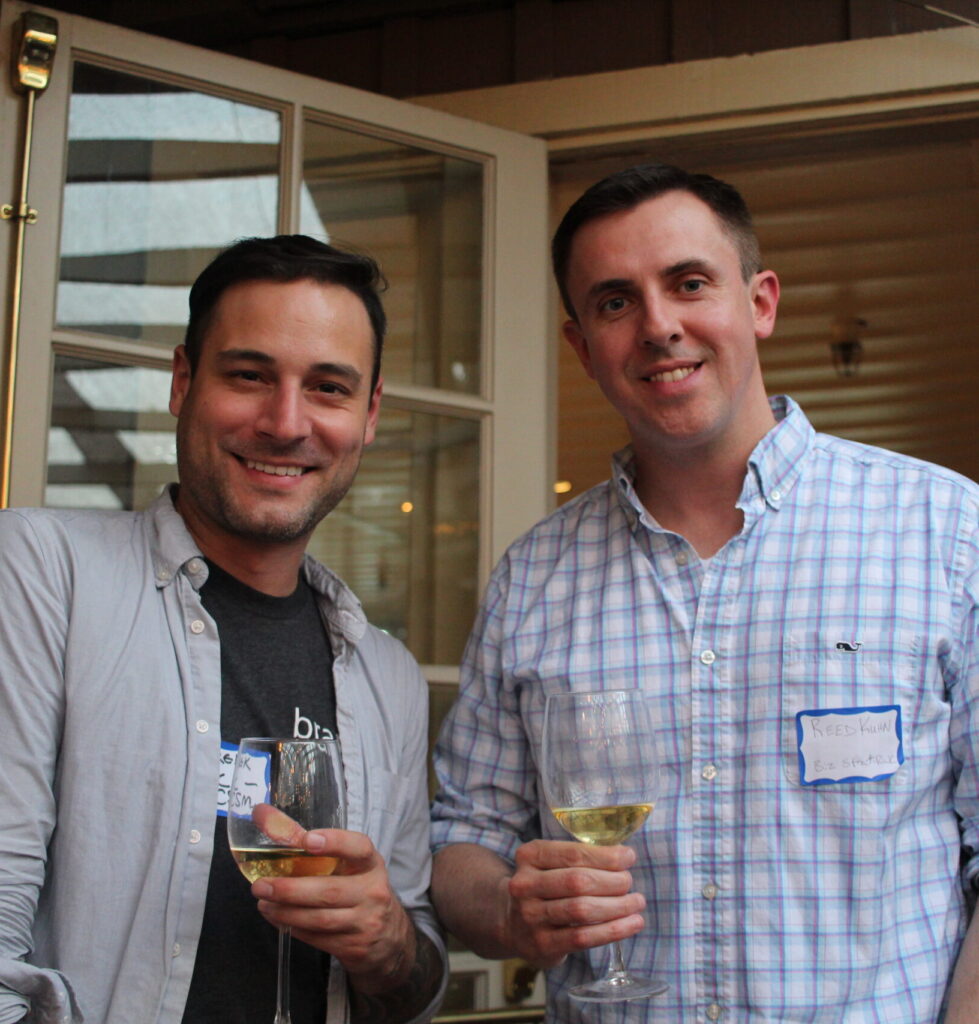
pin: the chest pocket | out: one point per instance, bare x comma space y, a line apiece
822, 671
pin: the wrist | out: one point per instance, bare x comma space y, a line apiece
394, 963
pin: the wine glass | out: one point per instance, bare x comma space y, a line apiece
601, 779
279, 788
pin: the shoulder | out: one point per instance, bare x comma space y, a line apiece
64, 531
581, 522
915, 479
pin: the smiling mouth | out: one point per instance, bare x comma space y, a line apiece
272, 470
671, 376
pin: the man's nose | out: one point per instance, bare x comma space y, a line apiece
283, 415
661, 323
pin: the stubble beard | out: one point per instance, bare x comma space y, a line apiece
213, 498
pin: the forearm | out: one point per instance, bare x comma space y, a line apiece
471, 897
964, 996
407, 985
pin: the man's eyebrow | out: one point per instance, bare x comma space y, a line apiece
693, 264
346, 370
610, 284
232, 355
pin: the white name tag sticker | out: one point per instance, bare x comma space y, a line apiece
226, 770
849, 744
253, 781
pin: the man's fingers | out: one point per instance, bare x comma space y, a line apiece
278, 826
554, 853
581, 911
355, 851
561, 883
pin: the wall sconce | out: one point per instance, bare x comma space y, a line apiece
845, 346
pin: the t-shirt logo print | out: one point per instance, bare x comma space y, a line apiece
849, 645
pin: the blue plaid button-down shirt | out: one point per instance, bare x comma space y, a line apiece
853, 584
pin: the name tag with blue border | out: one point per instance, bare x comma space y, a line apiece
849, 744
254, 767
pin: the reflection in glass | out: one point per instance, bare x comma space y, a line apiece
111, 442
406, 536
159, 178
420, 214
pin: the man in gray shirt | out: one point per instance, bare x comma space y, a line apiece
121, 691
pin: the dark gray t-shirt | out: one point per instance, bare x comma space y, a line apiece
276, 680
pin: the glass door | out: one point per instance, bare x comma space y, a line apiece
147, 158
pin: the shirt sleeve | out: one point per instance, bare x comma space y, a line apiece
963, 678
410, 861
483, 760
33, 628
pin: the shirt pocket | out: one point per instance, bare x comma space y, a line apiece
823, 671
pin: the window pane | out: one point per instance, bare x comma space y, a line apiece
159, 179
111, 442
420, 214
406, 536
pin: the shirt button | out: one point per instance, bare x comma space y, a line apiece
202, 726
176, 949
681, 558
195, 836
194, 566
708, 772
709, 891
197, 626
713, 1012
776, 495
163, 574
708, 657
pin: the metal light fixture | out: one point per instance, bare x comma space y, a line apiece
35, 41
846, 346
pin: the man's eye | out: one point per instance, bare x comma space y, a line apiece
247, 375
329, 387
692, 286
613, 305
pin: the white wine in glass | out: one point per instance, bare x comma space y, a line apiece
280, 788
601, 778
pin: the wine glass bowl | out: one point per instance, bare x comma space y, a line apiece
281, 788
600, 774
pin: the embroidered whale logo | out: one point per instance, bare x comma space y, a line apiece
849, 645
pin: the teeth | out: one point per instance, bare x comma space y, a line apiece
672, 375
264, 467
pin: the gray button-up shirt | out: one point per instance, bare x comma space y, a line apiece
110, 688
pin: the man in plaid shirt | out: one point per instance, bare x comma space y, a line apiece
801, 612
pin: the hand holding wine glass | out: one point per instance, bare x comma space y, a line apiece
281, 789
600, 777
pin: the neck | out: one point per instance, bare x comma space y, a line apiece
271, 567
694, 492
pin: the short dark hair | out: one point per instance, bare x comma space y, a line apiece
625, 190
285, 258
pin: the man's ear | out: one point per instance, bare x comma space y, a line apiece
373, 411
575, 337
179, 380
764, 300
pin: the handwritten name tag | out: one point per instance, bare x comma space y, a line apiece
849, 744
253, 770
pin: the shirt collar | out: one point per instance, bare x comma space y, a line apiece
778, 458
174, 550
775, 464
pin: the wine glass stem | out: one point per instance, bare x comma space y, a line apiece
618, 964
282, 989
